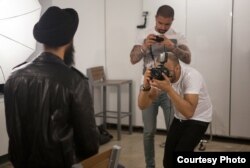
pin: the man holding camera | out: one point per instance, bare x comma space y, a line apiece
192, 105
149, 46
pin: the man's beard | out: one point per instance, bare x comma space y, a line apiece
69, 55
160, 30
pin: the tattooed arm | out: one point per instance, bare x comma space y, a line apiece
183, 53
139, 51
137, 54
180, 50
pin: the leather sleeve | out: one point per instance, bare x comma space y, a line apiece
86, 134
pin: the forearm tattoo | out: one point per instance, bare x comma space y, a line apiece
183, 53
136, 54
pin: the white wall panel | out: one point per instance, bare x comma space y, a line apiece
89, 39
122, 17
17, 19
209, 37
240, 104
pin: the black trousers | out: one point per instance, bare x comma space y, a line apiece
183, 136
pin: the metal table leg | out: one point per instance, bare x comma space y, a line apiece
104, 107
119, 112
130, 108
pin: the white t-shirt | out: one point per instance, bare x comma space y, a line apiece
192, 82
157, 49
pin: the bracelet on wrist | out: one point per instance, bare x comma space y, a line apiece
145, 88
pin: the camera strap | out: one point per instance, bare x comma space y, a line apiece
152, 55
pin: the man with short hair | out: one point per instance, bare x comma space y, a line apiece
192, 105
149, 46
48, 106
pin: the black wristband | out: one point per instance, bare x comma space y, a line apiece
145, 89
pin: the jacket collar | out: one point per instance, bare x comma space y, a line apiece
50, 58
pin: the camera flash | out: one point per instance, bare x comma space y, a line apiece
163, 57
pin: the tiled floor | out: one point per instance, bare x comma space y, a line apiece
132, 155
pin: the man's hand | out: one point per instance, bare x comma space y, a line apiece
170, 45
145, 98
164, 85
150, 40
147, 77
139, 51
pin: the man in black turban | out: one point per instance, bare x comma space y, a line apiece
48, 107
56, 28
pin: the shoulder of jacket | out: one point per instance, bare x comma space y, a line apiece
19, 66
79, 73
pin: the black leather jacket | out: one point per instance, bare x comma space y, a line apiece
49, 115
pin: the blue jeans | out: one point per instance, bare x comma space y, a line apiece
149, 119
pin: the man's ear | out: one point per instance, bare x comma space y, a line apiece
178, 67
165, 65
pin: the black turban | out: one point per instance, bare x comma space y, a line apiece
56, 26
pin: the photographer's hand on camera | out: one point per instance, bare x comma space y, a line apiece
169, 44
147, 77
164, 85
152, 92
147, 93
139, 51
149, 41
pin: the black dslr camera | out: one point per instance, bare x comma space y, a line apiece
158, 39
156, 73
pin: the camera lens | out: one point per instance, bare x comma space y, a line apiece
158, 39
156, 74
